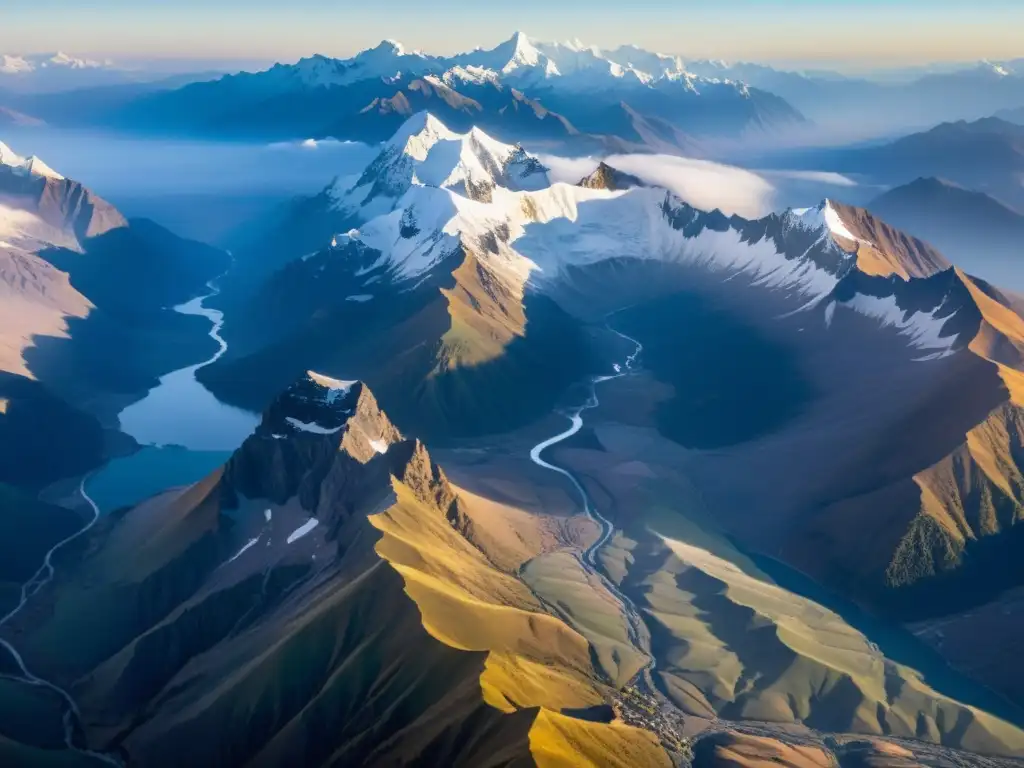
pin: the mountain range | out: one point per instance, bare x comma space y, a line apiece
569, 93
547, 473
464, 269
837, 102
986, 155
518, 89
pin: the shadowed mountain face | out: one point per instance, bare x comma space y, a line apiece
979, 233
985, 155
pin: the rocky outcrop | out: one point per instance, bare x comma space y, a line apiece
312, 434
612, 179
319, 441
411, 465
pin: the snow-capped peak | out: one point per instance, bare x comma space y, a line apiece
13, 65
335, 387
998, 69
523, 52
384, 49
31, 166
24, 64
425, 152
418, 134
574, 64
61, 59
388, 59
823, 218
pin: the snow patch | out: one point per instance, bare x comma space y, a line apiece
379, 446
337, 388
824, 218
830, 310
360, 297
311, 427
302, 530
922, 329
250, 544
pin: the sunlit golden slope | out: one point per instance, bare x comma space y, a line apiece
200, 628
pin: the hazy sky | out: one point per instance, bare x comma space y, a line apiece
856, 33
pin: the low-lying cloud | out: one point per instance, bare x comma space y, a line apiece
115, 166
708, 185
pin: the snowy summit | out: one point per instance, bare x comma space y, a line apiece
30, 166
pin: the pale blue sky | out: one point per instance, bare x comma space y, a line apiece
852, 32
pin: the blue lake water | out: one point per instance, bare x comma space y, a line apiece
129, 480
181, 411
185, 432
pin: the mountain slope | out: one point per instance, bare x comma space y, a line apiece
1012, 115
460, 100
978, 232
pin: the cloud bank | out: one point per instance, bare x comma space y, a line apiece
708, 185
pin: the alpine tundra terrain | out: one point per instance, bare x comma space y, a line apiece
544, 473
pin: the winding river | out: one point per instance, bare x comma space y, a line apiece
40, 579
894, 641
180, 410
184, 430
588, 559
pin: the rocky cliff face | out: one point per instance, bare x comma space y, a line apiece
62, 203
315, 424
